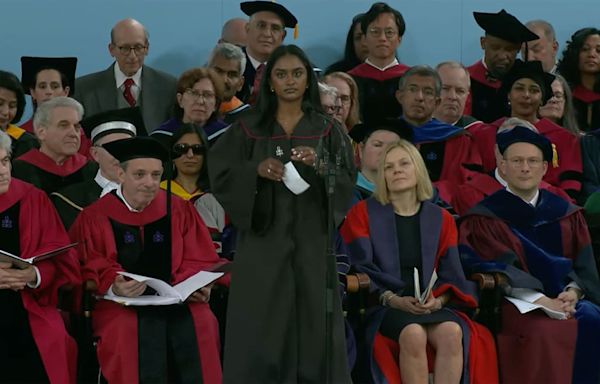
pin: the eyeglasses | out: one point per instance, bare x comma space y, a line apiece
137, 49
196, 95
388, 32
519, 162
559, 96
181, 149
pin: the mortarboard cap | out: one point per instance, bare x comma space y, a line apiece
251, 7
521, 134
362, 131
125, 120
31, 66
504, 26
137, 148
529, 70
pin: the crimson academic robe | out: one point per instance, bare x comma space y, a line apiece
566, 174
30, 226
40, 170
276, 316
445, 149
480, 185
587, 107
486, 102
108, 222
541, 248
377, 90
370, 235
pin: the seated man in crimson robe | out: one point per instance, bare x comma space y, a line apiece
539, 245
35, 344
481, 184
444, 147
129, 230
57, 163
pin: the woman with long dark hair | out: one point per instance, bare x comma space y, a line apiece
580, 66
355, 51
276, 326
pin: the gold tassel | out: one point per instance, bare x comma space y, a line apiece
296, 31
554, 156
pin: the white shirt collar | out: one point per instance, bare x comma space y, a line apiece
120, 77
255, 63
499, 178
106, 185
120, 195
390, 65
534, 199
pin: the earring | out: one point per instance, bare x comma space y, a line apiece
272, 90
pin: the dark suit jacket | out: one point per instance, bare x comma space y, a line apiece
97, 93
249, 73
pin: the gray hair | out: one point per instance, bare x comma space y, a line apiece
423, 71
454, 65
545, 26
325, 89
43, 113
229, 52
5, 142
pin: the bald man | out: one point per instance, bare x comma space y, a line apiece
128, 82
234, 32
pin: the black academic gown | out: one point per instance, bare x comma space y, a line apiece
488, 103
276, 316
72, 199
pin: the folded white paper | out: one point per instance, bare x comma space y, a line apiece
293, 180
524, 307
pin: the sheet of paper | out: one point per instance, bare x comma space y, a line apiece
417, 284
427, 292
195, 282
293, 180
143, 300
524, 307
162, 288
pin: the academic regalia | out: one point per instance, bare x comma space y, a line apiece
212, 129
30, 226
480, 185
113, 235
590, 158
230, 111
21, 140
28, 125
377, 90
587, 107
369, 231
40, 170
178, 190
541, 248
276, 316
84, 148
70, 201
445, 148
466, 122
566, 174
487, 103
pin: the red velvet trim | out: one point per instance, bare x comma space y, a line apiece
71, 165
478, 71
585, 95
370, 72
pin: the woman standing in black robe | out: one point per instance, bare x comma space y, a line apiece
276, 318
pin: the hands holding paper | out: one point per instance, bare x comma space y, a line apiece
123, 286
565, 303
14, 278
411, 304
200, 296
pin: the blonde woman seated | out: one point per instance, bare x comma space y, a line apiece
388, 236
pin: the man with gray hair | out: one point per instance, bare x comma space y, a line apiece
128, 82
543, 49
234, 32
229, 61
456, 85
445, 148
57, 162
480, 184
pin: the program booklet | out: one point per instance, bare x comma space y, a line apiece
25, 263
165, 293
524, 307
422, 297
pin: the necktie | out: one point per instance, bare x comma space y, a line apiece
127, 92
256, 84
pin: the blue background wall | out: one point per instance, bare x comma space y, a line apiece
182, 32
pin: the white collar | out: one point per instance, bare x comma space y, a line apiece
534, 199
390, 65
120, 195
120, 77
106, 185
499, 178
255, 63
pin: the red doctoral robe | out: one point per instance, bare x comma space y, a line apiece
113, 324
40, 230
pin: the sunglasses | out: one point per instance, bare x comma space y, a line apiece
181, 149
